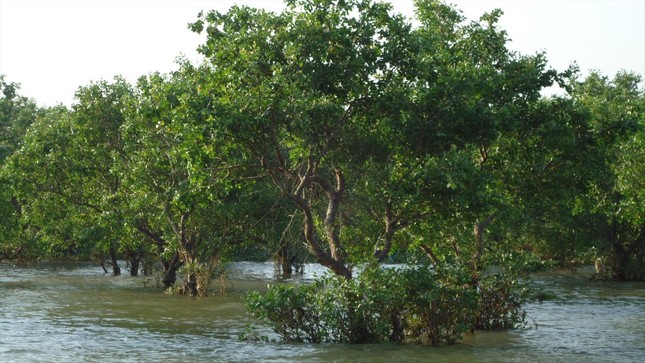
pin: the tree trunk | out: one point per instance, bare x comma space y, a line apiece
286, 263
620, 262
322, 257
191, 284
101, 261
391, 225
479, 249
623, 267
116, 270
294, 185
170, 266
170, 270
479, 242
335, 260
134, 265
147, 265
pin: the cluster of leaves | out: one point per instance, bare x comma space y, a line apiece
413, 304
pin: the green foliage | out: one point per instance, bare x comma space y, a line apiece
17, 113
307, 83
612, 200
500, 303
64, 178
384, 137
412, 304
369, 126
629, 170
438, 310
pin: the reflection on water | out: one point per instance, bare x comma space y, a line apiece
74, 312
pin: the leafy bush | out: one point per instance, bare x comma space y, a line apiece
412, 304
437, 311
289, 311
500, 303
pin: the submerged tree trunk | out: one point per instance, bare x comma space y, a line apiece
147, 264
324, 258
134, 258
627, 258
101, 261
116, 270
285, 261
134, 266
170, 270
620, 262
191, 284
170, 265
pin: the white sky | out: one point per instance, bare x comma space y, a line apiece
52, 47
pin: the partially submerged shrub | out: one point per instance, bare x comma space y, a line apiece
331, 309
198, 279
437, 312
500, 303
366, 309
386, 305
289, 312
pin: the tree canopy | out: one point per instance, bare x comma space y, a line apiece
386, 139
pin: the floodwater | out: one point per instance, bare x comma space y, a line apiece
72, 312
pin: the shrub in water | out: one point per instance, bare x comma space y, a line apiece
500, 304
437, 312
386, 305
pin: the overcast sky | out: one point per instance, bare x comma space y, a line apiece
52, 47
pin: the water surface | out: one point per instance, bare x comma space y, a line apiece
73, 312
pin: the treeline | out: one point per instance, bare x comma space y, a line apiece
337, 130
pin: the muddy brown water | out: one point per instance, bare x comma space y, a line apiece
72, 312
